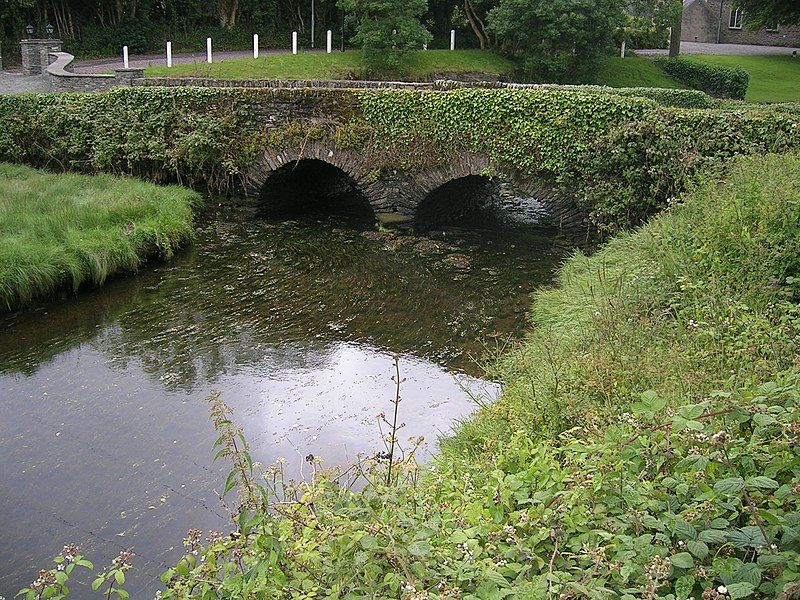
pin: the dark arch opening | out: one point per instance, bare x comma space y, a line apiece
470, 201
310, 188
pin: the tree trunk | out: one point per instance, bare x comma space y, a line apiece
675, 36
480, 32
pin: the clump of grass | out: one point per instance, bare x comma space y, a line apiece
62, 231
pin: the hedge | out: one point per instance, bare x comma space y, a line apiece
622, 157
720, 82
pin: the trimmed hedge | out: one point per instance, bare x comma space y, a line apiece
720, 82
622, 157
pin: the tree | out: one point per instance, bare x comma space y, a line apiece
766, 12
556, 40
387, 30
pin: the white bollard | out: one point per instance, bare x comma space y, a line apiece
169, 54
330, 41
125, 57
255, 45
294, 42
452, 39
622, 54
208, 50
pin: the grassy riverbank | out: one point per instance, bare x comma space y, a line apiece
62, 231
645, 445
422, 65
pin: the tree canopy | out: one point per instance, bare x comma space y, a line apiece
766, 12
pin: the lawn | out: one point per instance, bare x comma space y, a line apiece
634, 71
339, 65
61, 231
772, 78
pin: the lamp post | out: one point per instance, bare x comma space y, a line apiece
49, 30
29, 30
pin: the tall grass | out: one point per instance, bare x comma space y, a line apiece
62, 231
705, 296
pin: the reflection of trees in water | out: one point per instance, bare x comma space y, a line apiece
250, 293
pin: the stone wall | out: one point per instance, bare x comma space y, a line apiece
60, 77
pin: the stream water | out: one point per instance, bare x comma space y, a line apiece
105, 439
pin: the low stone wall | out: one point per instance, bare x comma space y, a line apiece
333, 84
60, 77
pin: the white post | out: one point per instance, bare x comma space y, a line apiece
294, 42
169, 54
452, 39
312, 24
255, 45
622, 54
125, 56
208, 50
330, 41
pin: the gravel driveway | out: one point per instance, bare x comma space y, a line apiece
729, 49
17, 83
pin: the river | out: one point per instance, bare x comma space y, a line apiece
105, 439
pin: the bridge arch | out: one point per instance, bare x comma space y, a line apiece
315, 169
469, 200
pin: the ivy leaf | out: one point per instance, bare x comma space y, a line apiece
740, 590
732, 486
683, 560
761, 483
699, 549
369, 542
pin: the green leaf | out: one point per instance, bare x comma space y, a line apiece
712, 536
699, 549
369, 542
761, 483
119, 576
419, 548
684, 586
97, 583
740, 590
682, 560
732, 486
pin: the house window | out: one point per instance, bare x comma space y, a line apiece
772, 27
736, 18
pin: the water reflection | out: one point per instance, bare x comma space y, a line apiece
105, 438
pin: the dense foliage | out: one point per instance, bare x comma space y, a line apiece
387, 30
64, 231
768, 12
555, 40
646, 444
623, 157
721, 82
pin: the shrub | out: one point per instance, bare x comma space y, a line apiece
720, 82
387, 30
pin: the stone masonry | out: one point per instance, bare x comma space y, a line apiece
716, 21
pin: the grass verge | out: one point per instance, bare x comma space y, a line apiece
645, 445
62, 231
772, 78
340, 65
634, 71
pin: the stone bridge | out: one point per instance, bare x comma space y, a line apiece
438, 194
